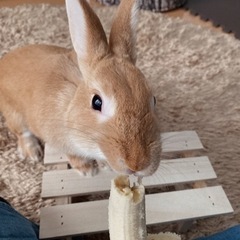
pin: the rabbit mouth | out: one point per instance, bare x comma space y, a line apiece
143, 173
122, 168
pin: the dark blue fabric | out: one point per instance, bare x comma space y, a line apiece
232, 233
14, 226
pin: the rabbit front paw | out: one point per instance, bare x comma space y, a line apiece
86, 167
29, 146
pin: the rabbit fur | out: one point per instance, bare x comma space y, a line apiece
91, 102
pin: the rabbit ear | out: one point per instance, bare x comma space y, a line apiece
123, 33
87, 34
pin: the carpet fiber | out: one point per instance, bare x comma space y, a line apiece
195, 74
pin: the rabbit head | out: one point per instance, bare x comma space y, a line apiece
113, 107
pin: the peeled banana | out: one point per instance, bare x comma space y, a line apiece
126, 212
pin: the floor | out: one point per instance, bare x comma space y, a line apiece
176, 13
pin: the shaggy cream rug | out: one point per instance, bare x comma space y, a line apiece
194, 72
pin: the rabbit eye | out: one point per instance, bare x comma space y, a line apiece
154, 101
97, 103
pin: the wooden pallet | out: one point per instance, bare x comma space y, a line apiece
182, 204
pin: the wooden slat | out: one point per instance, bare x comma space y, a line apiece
187, 205
171, 142
71, 183
82, 218
52, 156
65, 199
180, 141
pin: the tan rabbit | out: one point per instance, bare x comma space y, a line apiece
91, 102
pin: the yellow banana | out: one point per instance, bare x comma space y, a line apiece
126, 212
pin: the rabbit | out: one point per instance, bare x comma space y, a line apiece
91, 102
